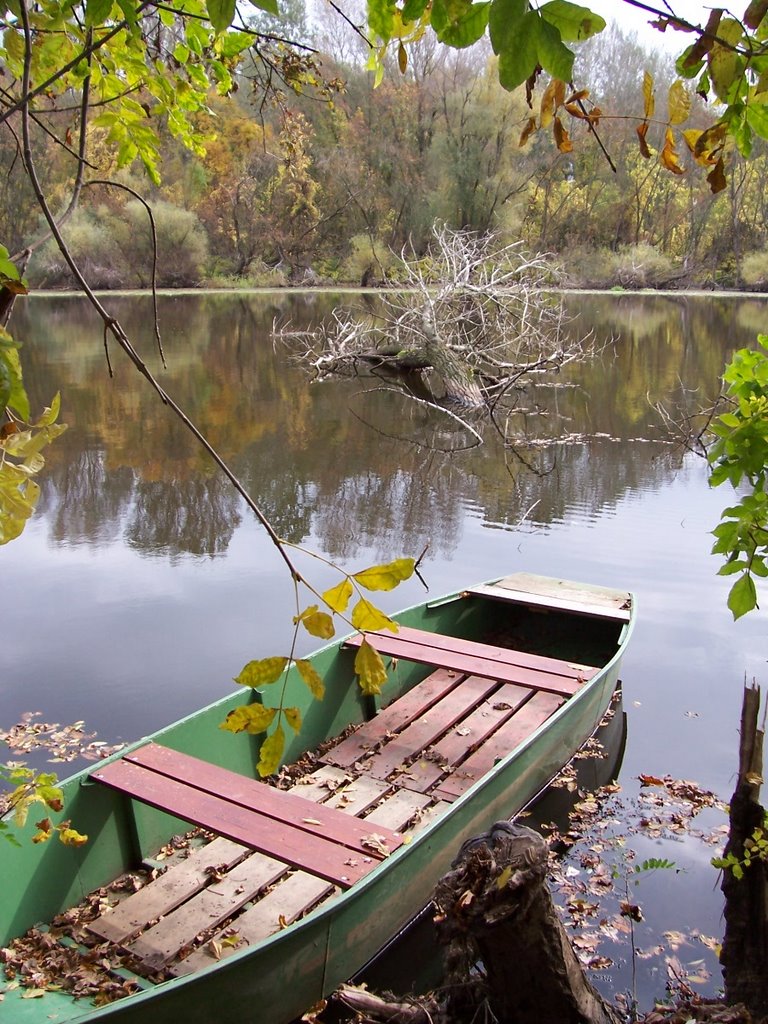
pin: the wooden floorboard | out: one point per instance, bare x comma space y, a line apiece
279, 908
167, 891
433, 724
536, 711
464, 738
396, 716
158, 946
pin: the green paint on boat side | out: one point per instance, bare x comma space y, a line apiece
295, 967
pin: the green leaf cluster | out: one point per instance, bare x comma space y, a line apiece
729, 64
739, 456
755, 849
525, 38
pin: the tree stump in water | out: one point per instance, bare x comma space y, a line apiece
745, 948
494, 907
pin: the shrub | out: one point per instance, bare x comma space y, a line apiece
633, 266
93, 249
113, 248
369, 261
754, 270
182, 244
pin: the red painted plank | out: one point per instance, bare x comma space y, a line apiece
433, 724
325, 859
470, 664
506, 655
397, 716
465, 738
304, 815
517, 729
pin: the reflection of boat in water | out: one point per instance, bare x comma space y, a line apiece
491, 691
412, 961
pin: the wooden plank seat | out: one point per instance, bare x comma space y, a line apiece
471, 658
299, 893
321, 840
543, 592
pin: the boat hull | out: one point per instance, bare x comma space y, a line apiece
280, 978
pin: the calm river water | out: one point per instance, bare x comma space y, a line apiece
142, 585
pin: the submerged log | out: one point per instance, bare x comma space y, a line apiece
494, 907
745, 948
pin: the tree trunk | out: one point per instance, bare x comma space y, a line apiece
494, 907
745, 948
457, 377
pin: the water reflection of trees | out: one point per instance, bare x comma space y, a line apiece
193, 516
353, 467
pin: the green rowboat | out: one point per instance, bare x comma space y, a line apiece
286, 891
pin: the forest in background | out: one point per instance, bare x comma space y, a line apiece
328, 182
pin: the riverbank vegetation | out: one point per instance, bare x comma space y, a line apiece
329, 179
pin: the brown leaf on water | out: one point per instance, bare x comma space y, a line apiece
630, 910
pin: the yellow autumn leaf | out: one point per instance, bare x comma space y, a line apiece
691, 137
679, 101
71, 837
562, 139
252, 718
293, 718
316, 623
271, 753
367, 617
261, 672
668, 156
370, 669
649, 100
312, 678
402, 58
385, 577
553, 97
724, 63
338, 597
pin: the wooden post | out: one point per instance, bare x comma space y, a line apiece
494, 907
745, 948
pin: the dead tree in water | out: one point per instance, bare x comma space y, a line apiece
494, 908
474, 316
745, 882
